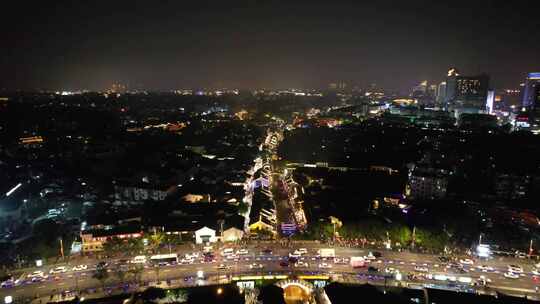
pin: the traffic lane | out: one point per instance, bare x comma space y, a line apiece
243, 265
276, 259
257, 259
176, 272
255, 250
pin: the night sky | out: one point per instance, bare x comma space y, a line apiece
174, 44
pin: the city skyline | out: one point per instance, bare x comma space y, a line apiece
246, 45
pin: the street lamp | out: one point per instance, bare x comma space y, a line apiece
335, 222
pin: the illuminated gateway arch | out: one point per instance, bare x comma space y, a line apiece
306, 286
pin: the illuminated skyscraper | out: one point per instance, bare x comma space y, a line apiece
451, 79
490, 101
531, 100
466, 91
531, 91
441, 92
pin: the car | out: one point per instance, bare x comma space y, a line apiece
223, 267
102, 265
242, 252
301, 264
140, 259
390, 270
79, 267
186, 261
295, 254
521, 255
227, 251
123, 262
36, 274
325, 265
485, 268
444, 259
9, 283
372, 269
256, 266
483, 280
38, 279
466, 261
515, 269
376, 254
535, 272
421, 269
59, 269
191, 256
232, 256
511, 275
209, 258
302, 251
370, 256
284, 264
267, 251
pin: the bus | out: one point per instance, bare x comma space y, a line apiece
164, 259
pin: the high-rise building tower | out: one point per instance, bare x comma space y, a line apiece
531, 91
441, 93
466, 91
531, 100
451, 80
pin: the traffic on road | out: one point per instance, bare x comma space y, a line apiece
354, 265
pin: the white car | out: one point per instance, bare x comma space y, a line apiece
36, 274
535, 272
186, 261
242, 252
421, 269
227, 251
192, 255
10, 283
140, 259
341, 261
59, 269
515, 269
223, 267
80, 267
511, 275
256, 266
325, 265
232, 257
302, 251
466, 261
485, 268
301, 264
370, 257
295, 254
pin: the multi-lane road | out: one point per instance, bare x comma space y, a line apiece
428, 269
